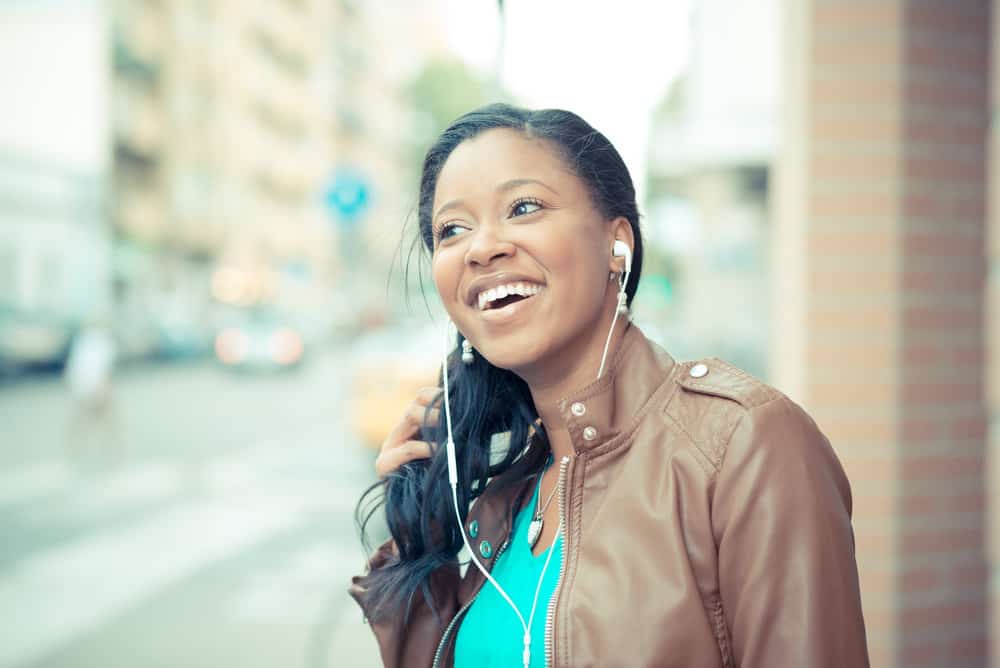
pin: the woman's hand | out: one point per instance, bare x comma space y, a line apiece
403, 444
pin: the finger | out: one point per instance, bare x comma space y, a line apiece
392, 458
408, 426
432, 417
417, 414
427, 395
412, 421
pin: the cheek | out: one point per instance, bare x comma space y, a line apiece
446, 273
586, 277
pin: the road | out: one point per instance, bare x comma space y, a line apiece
211, 526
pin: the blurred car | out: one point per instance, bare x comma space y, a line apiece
260, 340
390, 366
180, 330
180, 343
30, 340
181, 340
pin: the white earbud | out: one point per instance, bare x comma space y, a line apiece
621, 249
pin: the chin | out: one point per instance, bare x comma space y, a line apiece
512, 356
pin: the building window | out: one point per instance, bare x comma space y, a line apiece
286, 59
192, 192
292, 129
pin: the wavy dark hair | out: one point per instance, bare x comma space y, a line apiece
486, 401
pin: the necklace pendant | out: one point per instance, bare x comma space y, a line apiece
534, 531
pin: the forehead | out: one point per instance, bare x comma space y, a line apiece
498, 155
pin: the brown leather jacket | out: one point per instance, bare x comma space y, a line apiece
707, 524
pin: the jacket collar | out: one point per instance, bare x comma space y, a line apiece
612, 406
607, 408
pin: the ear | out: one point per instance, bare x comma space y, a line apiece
619, 228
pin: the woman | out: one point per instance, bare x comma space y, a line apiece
700, 516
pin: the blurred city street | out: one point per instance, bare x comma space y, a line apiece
213, 525
218, 294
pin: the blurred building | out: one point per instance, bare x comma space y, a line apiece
55, 246
843, 147
224, 132
381, 49
221, 147
713, 142
880, 301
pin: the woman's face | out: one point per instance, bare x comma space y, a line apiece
521, 255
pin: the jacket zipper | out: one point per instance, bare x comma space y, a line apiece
458, 615
551, 613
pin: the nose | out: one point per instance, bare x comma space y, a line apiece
487, 246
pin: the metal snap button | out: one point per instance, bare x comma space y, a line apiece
589, 433
577, 409
699, 370
473, 528
486, 549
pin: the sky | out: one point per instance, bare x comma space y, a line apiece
610, 62
64, 46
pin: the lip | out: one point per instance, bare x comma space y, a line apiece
492, 281
508, 312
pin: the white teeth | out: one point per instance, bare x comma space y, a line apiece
501, 291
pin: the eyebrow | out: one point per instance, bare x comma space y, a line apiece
503, 187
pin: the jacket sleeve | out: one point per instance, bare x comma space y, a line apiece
415, 643
781, 517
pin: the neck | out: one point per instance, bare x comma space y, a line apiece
572, 371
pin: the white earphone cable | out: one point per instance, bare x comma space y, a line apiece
453, 480
607, 343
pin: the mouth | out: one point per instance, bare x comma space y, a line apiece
503, 296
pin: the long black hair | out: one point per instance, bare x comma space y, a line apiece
486, 401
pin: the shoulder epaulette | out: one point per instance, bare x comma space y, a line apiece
715, 376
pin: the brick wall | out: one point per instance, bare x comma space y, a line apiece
993, 346
879, 227
942, 593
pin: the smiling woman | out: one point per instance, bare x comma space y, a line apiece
658, 513
537, 224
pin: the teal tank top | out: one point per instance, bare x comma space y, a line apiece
490, 635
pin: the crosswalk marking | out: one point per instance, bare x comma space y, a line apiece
51, 493
74, 588
94, 496
60, 593
43, 480
28, 483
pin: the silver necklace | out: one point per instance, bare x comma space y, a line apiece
538, 521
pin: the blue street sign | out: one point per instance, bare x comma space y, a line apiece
347, 196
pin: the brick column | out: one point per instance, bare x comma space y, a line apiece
993, 347
878, 298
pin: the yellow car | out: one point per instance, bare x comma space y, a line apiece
389, 368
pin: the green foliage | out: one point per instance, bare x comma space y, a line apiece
661, 275
442, 90
660, 262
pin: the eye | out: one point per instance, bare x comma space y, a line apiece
522, 206
447, 231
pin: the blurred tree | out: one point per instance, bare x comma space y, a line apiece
442, 90
661, 272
